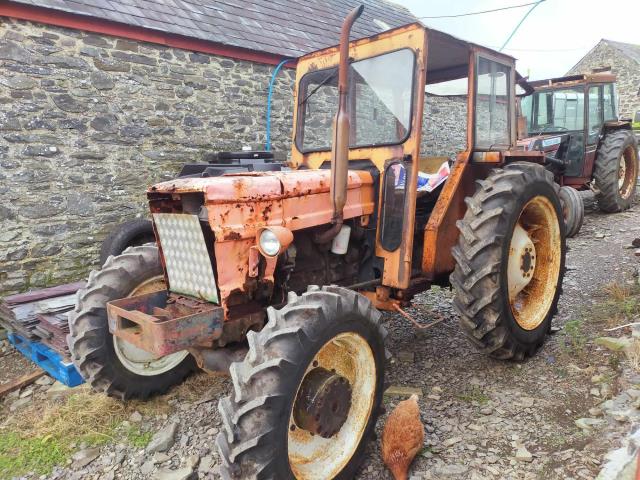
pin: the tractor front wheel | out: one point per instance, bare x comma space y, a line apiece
616, 171
108, 363
307, 395
510, 261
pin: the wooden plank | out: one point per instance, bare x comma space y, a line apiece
20, 382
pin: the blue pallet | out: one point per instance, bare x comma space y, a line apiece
47, 359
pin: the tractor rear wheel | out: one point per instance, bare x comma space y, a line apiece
572, 210
510, 261
132, 233
106, 362
616, 171
307, 395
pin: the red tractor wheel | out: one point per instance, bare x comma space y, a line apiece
616, 171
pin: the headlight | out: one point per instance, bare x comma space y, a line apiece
269, 243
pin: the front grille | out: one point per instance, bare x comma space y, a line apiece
186, 256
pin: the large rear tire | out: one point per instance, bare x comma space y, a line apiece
317, 366
510, 261
132, 233
106, 362
616, 171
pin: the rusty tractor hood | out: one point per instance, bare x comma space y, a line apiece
252, 186
238, 206
238, 203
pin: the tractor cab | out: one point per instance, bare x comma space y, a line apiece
566, 118
419, 148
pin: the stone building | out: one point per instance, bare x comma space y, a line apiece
100, 99
622, 59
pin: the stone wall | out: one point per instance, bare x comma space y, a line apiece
444, 126
87, 122
626, 70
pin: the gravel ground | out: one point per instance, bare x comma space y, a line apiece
483, 418
12, 363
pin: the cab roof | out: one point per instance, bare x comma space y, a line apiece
447, 58
573, 80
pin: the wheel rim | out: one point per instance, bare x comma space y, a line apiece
627, 172
140, 361
534, 263
312, 457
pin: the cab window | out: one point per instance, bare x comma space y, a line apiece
595, 114
381, 102
492, 122
610, 102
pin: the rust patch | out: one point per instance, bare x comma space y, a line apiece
162, 323
266, 212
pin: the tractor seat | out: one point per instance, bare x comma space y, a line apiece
431, 164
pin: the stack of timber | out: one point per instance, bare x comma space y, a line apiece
41, 315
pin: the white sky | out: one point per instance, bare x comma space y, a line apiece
553, 38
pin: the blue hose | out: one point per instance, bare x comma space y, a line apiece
271, 83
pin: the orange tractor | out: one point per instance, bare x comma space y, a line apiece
278, 275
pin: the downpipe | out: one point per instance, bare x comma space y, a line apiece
341, 131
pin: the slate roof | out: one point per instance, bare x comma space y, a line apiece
281, 27
628, 49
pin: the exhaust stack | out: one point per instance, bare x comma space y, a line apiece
341, 129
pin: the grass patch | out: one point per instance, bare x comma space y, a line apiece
137, 437
196, 386
622, 305
47, 434
474, 394
19, 455
36, 441
575, 339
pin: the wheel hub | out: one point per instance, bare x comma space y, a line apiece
522, 261
528, 263
323, 402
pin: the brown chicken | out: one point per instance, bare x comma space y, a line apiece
402, 437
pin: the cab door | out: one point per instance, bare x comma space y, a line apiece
491, 121
595, 120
